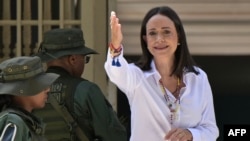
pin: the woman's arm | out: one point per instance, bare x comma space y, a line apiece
124, 75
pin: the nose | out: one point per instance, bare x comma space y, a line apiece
47, 90
160, 38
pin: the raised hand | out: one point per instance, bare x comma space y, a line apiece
116, 32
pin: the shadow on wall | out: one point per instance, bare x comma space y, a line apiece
229, 78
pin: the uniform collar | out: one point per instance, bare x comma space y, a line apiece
57, 69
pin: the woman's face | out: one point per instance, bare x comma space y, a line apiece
33, 102
40, 99
161, 36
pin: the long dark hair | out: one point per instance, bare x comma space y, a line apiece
183, 59
5, 101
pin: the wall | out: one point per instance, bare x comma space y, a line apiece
220, 27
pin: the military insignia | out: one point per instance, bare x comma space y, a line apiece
9, 132
57, 90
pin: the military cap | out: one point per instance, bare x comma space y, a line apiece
24, 76
62, 42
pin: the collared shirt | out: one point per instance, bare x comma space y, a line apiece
149, 111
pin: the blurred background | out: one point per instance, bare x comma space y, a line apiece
218, 35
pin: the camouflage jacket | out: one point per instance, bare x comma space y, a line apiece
89, 107
19, 125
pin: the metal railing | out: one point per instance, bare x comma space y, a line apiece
23, 23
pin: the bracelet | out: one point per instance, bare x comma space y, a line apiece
115, 51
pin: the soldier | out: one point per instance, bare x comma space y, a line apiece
86, 114
24, 86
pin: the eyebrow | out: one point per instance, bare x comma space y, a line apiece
161, 28
166, 27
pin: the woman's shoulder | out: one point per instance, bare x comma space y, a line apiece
200, 72
11, 117
11, 122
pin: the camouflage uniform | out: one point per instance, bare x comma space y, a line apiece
82, 98
20, 125
16, 75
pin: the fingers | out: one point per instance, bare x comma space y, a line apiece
178, 134
114, 21
170, 133
112, 18
116, 33
175, 134
112, 13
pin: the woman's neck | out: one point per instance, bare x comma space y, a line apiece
164, 66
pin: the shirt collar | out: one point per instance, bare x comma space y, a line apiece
153, 72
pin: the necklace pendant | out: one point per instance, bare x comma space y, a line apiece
172, 110
175, 116
170, 105
173, 106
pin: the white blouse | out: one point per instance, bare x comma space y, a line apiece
149, 111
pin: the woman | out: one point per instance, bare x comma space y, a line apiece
170, 98
24, 86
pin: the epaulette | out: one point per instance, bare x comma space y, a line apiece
9, 132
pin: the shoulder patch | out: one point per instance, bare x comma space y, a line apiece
58, 91
9, 132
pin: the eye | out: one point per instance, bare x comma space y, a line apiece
167, 32
152, 33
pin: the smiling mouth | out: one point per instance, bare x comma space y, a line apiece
160, 48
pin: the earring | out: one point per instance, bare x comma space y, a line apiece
178, 44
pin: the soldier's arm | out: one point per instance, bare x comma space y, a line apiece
9, 132
13, 129
102, 118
